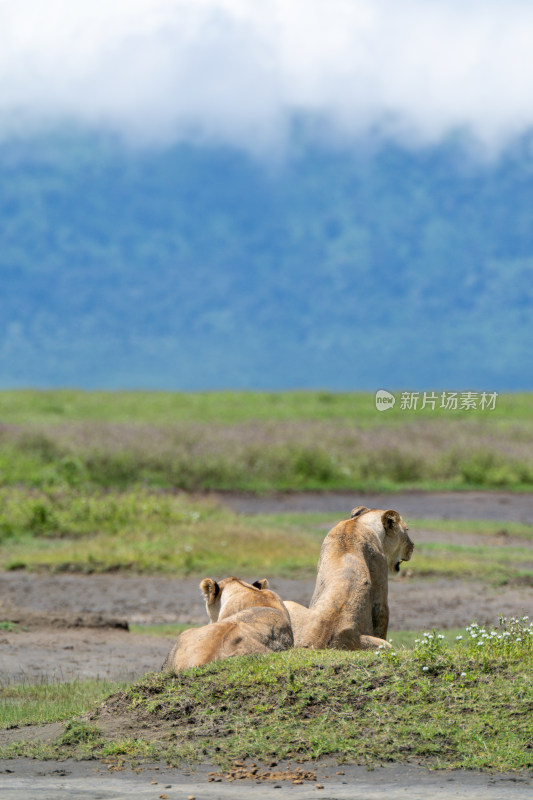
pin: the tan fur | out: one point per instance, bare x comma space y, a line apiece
349, 608
245, 618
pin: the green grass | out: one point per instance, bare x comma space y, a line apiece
480, 527
440, 704
37, 704
322, 521
262, 459
156, 532
494, 565
143, 532
259, 442
22, 406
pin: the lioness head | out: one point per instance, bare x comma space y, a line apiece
230, 590
391, 531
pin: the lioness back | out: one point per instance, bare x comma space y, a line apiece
349, 608
246, 619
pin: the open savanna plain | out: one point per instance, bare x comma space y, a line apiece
114, 506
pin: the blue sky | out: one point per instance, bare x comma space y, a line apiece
238, 71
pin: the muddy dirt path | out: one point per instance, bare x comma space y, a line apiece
90, 781
501, 506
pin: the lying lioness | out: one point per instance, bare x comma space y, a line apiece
349, 608
245, 618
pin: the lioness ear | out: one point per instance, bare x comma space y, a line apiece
389, 520
357, 511
210, 590
262, 584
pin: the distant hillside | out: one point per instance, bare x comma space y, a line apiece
194, 268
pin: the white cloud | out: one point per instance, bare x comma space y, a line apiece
237, 71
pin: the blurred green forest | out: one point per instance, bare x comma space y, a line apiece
201, 268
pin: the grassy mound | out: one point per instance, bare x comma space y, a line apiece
464, 704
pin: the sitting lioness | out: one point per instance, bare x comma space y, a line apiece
245, 618
349, 608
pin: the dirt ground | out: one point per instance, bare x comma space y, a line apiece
76, 626
89, 780
504, 506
